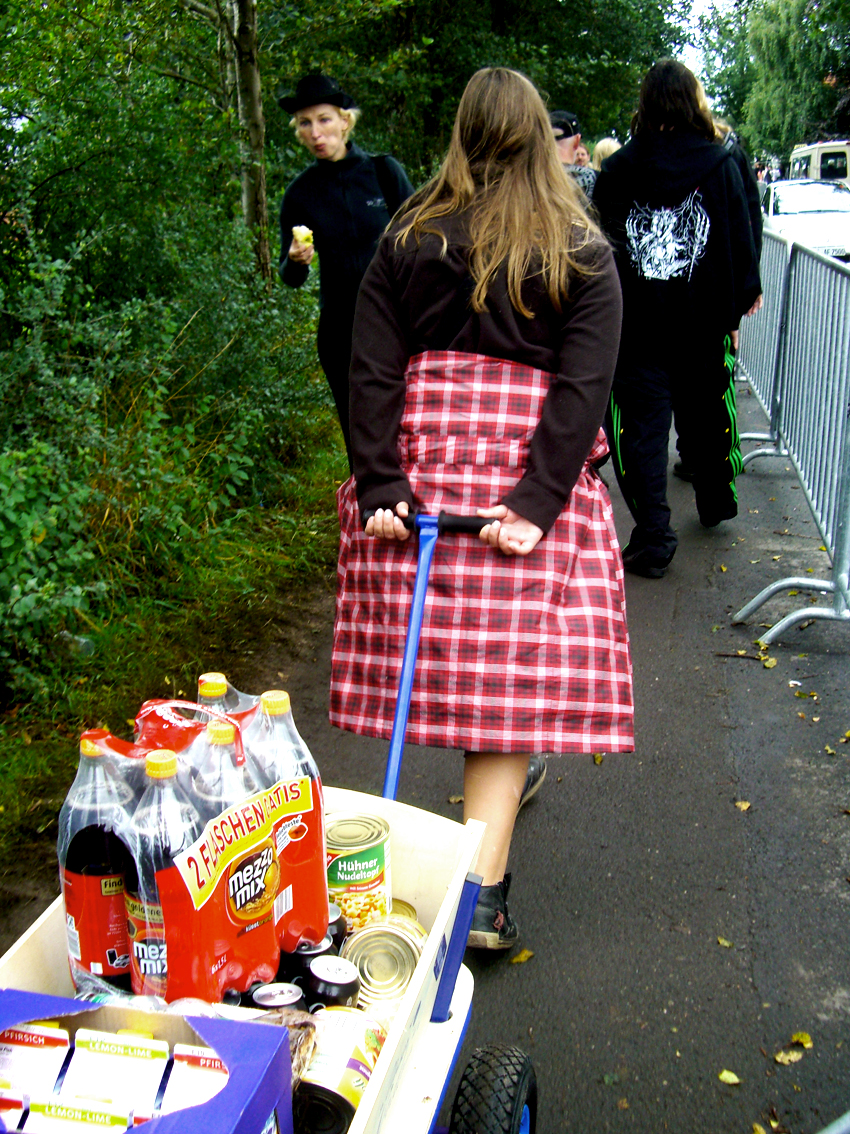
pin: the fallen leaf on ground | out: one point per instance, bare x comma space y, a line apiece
776, 558
597, 757
741, 653
803, 1039
521, 957
802, 716
455, 799
770, 663
800, 693
787, 1057
758, 1128
821, 548
722, 941
755, 561
829, 751
793, 594
729, 1077
622, 1104
723, 567
743, 805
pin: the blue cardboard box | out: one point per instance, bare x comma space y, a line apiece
256, 1057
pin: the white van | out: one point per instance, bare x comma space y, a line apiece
822, 161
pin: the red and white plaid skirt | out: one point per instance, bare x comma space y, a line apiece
517, 654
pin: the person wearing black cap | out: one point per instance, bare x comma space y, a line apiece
565, 127
345, 199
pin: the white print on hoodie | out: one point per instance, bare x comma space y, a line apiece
666, 243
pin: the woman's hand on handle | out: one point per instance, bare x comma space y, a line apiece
510, 533
386, 523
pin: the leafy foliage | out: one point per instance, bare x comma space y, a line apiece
780, 69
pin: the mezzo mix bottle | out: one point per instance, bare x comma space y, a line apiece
164, 824
278, 755
91, 861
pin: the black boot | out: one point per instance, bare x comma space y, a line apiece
492, 925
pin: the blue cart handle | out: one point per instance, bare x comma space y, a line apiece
428, 527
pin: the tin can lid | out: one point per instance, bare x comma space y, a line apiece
352, 831
409, 926
279, 995
403, 909
335, 970
385, 958
307, 947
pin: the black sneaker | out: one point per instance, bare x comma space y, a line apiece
535, 777
712, 519
683, 471
644, 563
492, 925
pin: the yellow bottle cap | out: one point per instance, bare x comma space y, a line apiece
212, 685
275, 702
221, 732
161, 765
90, 747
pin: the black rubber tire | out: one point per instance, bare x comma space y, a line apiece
498, 1082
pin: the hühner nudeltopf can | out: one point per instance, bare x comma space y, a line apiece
348, 1043
386, 957
359, 879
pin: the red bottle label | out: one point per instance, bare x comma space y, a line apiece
148, 949
96, 923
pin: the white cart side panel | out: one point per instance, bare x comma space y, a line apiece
416, 1092
38, 961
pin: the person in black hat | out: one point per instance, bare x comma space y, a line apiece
345, 199
567, 132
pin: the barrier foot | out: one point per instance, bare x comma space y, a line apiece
761, 598
804, 614
774, 451
840, 1126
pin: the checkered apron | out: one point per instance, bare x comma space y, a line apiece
517, 653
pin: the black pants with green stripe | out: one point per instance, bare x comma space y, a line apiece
692, 385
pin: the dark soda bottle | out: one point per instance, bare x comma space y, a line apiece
91, 862
164, 824
274, 747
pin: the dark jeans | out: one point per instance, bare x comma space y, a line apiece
334, 345
694, 386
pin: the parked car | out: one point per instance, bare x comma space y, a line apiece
814, 213
824, 161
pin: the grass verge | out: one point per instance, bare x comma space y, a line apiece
156, 644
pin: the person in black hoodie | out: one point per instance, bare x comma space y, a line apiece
674, 207
346, 199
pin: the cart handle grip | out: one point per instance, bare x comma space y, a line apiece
447, 522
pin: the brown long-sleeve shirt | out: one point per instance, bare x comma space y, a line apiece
415, 298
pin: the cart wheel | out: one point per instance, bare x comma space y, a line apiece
497, 1093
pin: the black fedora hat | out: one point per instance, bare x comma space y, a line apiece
312, 90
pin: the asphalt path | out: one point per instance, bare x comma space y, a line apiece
676, 934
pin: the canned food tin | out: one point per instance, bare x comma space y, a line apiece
294, 966
331, 981
359, 879
348, 1043
282, 995
403, 909
386, 958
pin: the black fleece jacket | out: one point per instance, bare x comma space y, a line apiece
342, 202
675, 209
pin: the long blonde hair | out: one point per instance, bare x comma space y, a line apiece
502, 167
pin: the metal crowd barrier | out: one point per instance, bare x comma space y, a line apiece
795, 353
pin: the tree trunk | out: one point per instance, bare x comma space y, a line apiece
252, 128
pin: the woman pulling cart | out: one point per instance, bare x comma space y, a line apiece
485, 341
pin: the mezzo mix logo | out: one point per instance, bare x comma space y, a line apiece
252, 883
